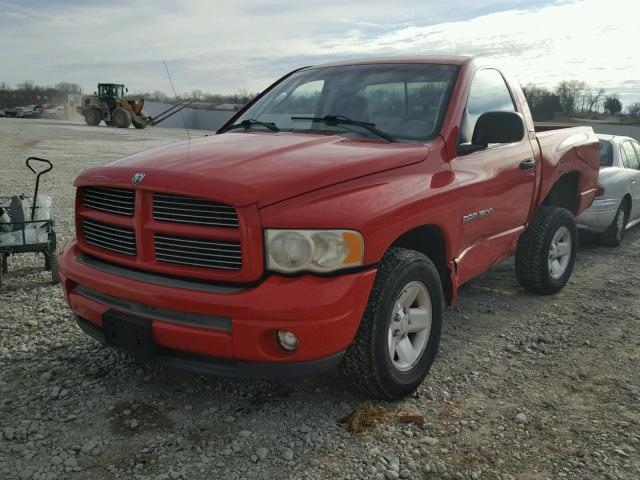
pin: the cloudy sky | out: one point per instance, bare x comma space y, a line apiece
224, 46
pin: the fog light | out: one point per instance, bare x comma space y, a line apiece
288, 340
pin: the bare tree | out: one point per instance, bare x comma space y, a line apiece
159, 96
543, 103
570, 93
593, 98
68, 87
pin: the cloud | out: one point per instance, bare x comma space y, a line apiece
227, 45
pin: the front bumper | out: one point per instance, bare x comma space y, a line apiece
599, 215
224, 330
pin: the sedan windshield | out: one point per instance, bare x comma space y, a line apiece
396, 102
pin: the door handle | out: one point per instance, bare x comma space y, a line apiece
527, 164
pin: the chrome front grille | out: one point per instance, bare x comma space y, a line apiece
110, 237
196, 211
119, 201
198, 252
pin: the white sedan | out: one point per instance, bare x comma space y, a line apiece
617, 203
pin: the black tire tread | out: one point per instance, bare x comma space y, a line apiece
127, 117
608, 237
90, 112
139, 124
357, 365
531, 253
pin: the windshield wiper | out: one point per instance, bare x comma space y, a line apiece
342, 120
246, 124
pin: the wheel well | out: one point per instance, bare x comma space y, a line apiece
564, 192
429, 241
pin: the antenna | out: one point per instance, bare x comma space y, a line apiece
175, 95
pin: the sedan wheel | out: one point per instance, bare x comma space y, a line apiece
613, 235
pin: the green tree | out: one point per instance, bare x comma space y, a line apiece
612, 104
633, 109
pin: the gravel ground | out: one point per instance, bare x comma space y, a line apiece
524, 387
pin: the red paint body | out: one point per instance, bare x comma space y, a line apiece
294, 180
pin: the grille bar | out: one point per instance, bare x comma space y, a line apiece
109, 237
118, 201
198, 252
179, 209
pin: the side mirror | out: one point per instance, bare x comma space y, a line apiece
498, 127
126, 90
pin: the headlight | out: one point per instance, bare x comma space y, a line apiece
313, 250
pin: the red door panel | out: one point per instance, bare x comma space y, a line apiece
496, 196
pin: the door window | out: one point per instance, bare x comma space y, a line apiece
489, 93
636, 146
629, 153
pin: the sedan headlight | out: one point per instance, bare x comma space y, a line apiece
313, 250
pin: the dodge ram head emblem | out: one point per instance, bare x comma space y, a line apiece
137, 178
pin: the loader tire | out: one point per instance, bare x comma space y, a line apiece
121, 118
547, 250
139, 124
92, 117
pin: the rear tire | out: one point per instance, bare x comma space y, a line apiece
613, 235
53, 266
4, 268
92, 117
546, 251
121, 118
376, 363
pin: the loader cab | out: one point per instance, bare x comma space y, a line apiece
111, 94
110, 91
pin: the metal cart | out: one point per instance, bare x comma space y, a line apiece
33, 235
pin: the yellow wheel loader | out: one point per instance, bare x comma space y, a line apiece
111, 106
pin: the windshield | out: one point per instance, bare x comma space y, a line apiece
405, 101
606, 153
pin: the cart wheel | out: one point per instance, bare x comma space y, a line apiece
53, 266
3, 267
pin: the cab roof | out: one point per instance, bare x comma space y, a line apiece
438, 59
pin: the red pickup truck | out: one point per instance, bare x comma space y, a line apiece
328, 222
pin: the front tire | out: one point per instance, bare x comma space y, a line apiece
399, 335
613, 235
139, 123
547, 250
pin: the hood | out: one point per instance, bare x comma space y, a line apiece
262, 168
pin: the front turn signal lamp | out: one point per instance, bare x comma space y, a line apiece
291, 251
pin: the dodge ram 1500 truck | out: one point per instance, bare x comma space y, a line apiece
328, 222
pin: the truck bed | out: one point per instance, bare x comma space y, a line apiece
569, 150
